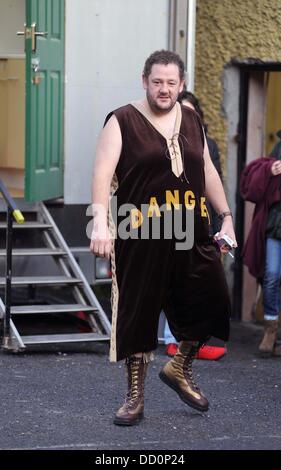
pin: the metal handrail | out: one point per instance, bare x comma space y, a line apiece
12, 213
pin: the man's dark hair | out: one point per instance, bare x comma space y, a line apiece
163, 57
191, 98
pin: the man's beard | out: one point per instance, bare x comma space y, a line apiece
158, 109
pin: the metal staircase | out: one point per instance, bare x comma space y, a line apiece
70, 276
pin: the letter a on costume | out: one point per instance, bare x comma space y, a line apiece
153, 208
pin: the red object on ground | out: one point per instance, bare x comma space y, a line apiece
208, 353
171, 349
211, 353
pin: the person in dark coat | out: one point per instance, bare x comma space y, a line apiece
261, 184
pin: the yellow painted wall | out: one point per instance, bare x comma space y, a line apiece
3, 110
226, 30
273, 114
12, 113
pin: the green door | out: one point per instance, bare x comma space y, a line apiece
44, 99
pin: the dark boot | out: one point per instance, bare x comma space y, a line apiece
131, 412
266, 347
178, 375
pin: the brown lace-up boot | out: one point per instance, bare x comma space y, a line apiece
178, 375
132, 410
266, 347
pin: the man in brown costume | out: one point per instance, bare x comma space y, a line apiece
154, 151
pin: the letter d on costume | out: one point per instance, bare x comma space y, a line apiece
136, 218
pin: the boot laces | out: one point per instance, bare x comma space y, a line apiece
187, 367
134, 392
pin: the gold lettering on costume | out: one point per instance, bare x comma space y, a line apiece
136, 218
204, 210
172, 199
189, 200
153, 208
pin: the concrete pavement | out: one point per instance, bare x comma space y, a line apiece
66, 400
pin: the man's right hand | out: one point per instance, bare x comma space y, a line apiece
101, 242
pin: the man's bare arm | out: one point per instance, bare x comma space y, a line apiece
108, 152
216, 195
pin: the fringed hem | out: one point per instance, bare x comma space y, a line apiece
114, 288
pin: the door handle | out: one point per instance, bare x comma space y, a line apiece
26, 33
31, 33
34, 35
22, 33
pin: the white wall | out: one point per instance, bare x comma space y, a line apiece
107, 42
12, 19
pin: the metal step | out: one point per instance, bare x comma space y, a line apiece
53, 308
70, 338
22, 205
27, 225
36, 252
41, 280
69, 273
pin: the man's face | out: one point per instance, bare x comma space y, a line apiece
163, 86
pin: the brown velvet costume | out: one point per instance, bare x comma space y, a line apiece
150, 274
